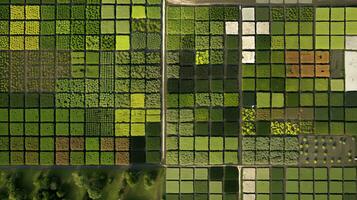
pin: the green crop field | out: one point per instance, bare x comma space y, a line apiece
182, 100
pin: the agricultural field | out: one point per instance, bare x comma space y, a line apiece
180, 100
80, 82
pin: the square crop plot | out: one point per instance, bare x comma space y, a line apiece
80, 83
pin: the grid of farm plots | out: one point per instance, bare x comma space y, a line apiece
292, 183
80, 82
298, 68
202, 183
202, 88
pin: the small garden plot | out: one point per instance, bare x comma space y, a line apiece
297, 183
81, 83
201, 183
203, 92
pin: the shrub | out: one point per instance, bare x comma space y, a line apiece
292, 13
76, 85
106, 100
107, 42
248, 143
173, 71
92, 42
137, 57
78, 12
152, 100
248, 128
63, 27
137, 85
153, 57
92, 27
291, 143
91, 85
137, 72
231, 13
187, 42
248, 157
277, 157
92, 12
152, 72
92, 158
288, 128
186, 100
77, 100
202, 13
262, 143
291, 157
122, 57
202, 57
186, 157
202, 27
187, 26
63, 100
202, 99
186, 115
248, 114
202, 42
173, 42
277, 143
216, 99
153, 41
217, 13
306, 13
153, 86
217, 28
153, 26
138, 40
92, 100
216, 57
277, 13
216, 42
77, 42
